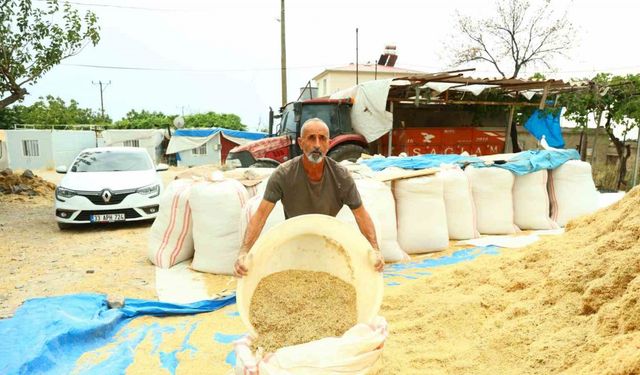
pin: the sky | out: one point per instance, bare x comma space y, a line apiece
224, 56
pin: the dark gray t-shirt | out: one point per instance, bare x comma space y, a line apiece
290, 184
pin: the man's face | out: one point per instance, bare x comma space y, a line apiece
314, 142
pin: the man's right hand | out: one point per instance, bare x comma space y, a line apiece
240, 267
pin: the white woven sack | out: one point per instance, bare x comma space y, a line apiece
170, 236
275, 217
357, 352
458, 201
422, 217
572, 191
493, 197
531, 202
378, 200
216, 211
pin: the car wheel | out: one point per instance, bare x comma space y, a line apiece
348, 151
64, 226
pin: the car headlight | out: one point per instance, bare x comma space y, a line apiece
64, 193
152, 191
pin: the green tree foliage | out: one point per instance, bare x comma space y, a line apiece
212, 119
146, 119
614, 103
35, 37
49, 111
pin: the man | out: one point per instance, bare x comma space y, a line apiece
310, 184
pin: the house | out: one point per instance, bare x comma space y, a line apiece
207, 146
149, 139
42, 149
333, 80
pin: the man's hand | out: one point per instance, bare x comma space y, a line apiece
240, 267
379, 264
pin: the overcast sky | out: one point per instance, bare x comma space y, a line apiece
224, 56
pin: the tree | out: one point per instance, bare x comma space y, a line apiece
517, 36
212, 119
35, 38
49, 111
614, 99
146, 120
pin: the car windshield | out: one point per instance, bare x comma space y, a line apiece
111, 161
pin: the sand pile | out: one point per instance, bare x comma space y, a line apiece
568, 304
25, 183
294, 307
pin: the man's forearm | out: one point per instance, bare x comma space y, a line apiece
251, 235
366, 226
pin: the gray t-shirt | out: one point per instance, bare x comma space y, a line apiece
290, 184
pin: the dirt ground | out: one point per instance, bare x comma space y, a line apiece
37, 259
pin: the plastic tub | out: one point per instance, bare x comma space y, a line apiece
314, 243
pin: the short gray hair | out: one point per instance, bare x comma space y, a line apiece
315, 119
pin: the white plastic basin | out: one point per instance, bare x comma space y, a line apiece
314, 243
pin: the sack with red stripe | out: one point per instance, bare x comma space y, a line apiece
572, 191
275, 217
170, 238
216, 211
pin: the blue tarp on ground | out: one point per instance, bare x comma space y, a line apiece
522, 163
48, 335
207, 132
548, 124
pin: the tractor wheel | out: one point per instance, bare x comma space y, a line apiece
265, 163
347, 151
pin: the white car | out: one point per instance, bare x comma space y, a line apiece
106, 185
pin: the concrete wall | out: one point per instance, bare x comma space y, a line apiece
67, 144
335, 81
17, 157
213, 155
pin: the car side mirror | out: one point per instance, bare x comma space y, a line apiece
61, 169
162, 167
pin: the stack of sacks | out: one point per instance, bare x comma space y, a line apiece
217, 209
421, 213
170, 237
572, 191
458, 201
377, 199
531, 201
250, 174
492, 194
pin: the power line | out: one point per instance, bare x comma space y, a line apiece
186, 70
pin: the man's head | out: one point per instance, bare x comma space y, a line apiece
314, 140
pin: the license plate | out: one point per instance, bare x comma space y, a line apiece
106, 218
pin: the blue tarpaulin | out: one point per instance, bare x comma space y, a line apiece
548, 124
48, 335
207, 132
522, 163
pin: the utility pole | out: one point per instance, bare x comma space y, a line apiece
103, 86
283, 55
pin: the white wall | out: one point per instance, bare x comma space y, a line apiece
67, 144
213, 156
17, 158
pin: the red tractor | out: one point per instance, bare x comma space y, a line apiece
282, 145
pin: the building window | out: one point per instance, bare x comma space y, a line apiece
30, 147
324, 87
132, 143
200, 150
0, 149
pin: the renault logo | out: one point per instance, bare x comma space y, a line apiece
106, 196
